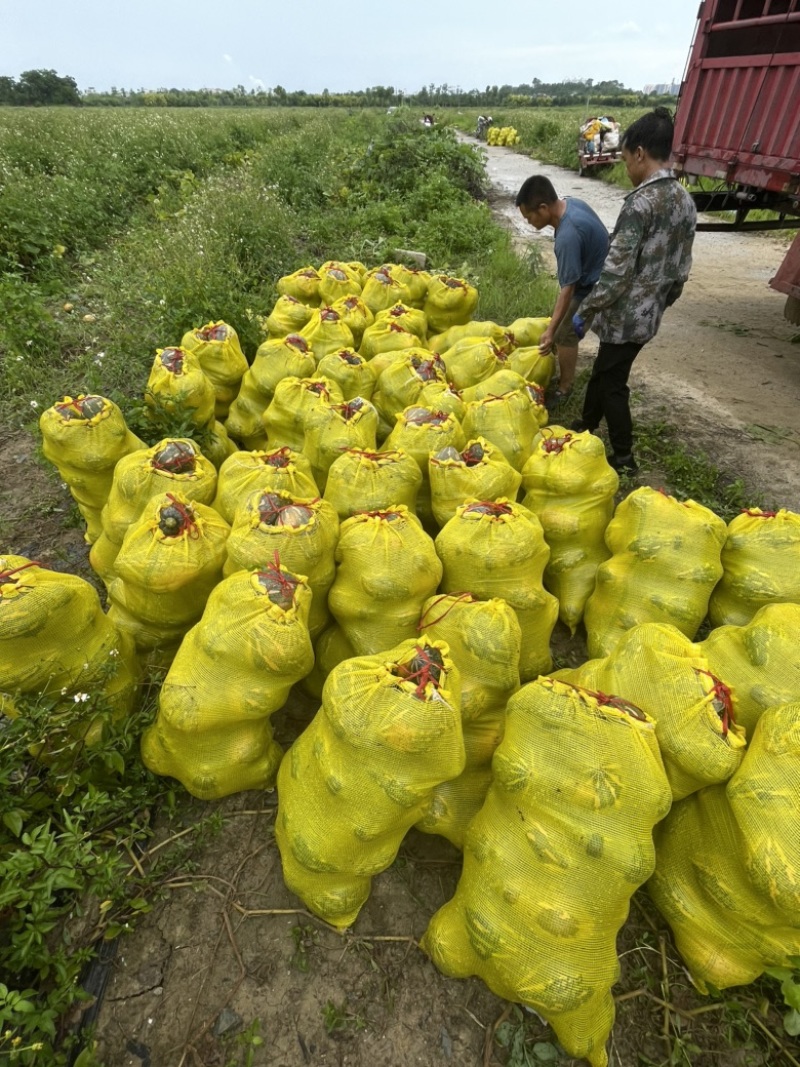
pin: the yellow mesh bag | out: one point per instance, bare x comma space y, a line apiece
440, 396
173, 463
410, 318
387, 568
665, 560
84, 438
220, 355
168, 564
288, 315
553, 857
301, 532
570, 487
285, 357
449, 302
380, 290
412, 281
528, 331
354, 271
498, 550
401, 383
471, 360
479, 472
509, 422
363, 772
330, 649
332, 430
423, 432
728, 863
234, 669
663, 673
326, 331
177, 386
355, 314
274, 470
484, 640
532, 365
759, 662
761, 565
336, 282
302, 284
216, 444
372, 481
497, 384
441, 342
294, 399
351, 372
386, 336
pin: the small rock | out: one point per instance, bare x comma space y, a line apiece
447, 1044
227, 1021
405, 255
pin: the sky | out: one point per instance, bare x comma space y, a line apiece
311, 45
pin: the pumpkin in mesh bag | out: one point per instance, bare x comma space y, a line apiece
659, 669
497, 384
497, 549
360, 776
387, 567
760, 661
234, 669
355, 314
302, 284
303, 532
372, 481
409, 318
413, 283
485, 639
295, 398
351, 372
288, 315
570, 487
386, 336
760, 565
440, 342
169, 562
449, 302
478, 472
330, 649
285, 357
553, 857
422, 432
471, 360
665, 561
330, 430
532, 365
277, 469
380, 290
337, 281
528, 331
84, 438
441, 396
221, 359
400, 384
728, 863
178, 387
326, 331
509, 422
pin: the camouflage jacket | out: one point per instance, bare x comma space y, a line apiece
647, 263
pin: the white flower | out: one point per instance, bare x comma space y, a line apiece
34, 405
64, 691
114, 652
81, 698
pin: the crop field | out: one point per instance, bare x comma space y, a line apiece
140, 924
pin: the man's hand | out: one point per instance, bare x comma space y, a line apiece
546, 342
579, 326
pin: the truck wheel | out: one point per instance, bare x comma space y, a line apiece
791, 311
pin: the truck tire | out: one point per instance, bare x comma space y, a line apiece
791, 311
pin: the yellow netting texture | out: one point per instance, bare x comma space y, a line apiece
528, 331
350, 371
331, 429
178, 386
480, 473
532, 365
336, 282
439, 396
440, 342
421, 432
273, 470
509, 422
217, 348
401, 383
356, 315
295, 398
302, 284
326, 331
330, 649
380, 290
449, 302
373, 481
288, 315
410, 318
471, 360
497, 384
285, 357
385, 336
412, 281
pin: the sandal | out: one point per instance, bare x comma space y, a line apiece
560, 396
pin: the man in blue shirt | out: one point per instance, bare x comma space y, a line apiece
581, 244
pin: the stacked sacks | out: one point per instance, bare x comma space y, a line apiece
385, 336
295, 398
665, 562
359, 777
234, 669
441, 342
422, 432
401, 383
174, 463
660, 671
330, 649
497, 549
484, 640
331, 429
355, 314
302, 284
301, 532
372, 481
85, 438
168, 564
336, 281
380, 290
510, 422
326, 331
410, 318
274, 470
288, 315
497, 384
761, 565
440, 396
553, 858
532, 365
387, 568
527, 332
471, 360
55, 642
728, 863
413, 284
479, 472
350, 371
449, 302
221, 359
570, 487
276, 359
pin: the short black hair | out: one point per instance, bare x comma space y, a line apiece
653, 132
536, 190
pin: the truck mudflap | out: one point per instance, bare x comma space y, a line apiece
787, 280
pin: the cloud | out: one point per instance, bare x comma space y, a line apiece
629, 27
227, 58
256, 81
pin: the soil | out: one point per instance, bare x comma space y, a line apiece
229, 949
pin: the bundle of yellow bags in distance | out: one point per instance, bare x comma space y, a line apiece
350, 371
659, 670
413, 283
387, 569
509, 422
497, 549
234, 669
331, 429
169, 562
727, 873
84, 438
302, 284
760, 661
174, 463
422, 432
274, 470
326, 331
288, 315
479, 472
665, 561
285, 418
448, 302
570, 487
553, 858
372, 481
359, 777
485, 641
221, 359
760, 565
303, 532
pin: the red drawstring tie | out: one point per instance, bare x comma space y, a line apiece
429, 670
459, 598
187, 516
722, 695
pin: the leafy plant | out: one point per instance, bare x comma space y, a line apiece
789, 977
524, 1049
337, 1018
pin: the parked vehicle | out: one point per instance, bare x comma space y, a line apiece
598, 143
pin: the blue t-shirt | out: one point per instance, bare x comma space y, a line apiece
581, 244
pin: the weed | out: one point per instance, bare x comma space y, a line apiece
304, 938
246, 1042
523, 1047
338, 1019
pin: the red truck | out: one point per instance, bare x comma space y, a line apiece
737, 122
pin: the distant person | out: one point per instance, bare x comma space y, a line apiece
644, 273
581, 244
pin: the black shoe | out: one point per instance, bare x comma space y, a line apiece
579, 426
623, 464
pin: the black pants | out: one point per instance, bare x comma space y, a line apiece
607, 394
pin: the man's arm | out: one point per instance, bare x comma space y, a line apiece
559, 314
619, 268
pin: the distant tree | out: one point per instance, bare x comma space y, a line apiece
8, 91
39, 87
